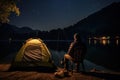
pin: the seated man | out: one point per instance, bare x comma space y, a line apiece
76, 53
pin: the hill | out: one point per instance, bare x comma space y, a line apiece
103, 22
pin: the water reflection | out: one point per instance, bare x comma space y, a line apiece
107, 54
104, 40
57, 56
117, 39
117, 42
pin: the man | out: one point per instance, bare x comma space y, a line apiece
76, 53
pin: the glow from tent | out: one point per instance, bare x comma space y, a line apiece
34, 41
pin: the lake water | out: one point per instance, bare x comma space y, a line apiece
57, 56
100, 56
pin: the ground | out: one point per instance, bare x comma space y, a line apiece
5, 74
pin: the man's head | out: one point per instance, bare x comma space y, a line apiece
77, 37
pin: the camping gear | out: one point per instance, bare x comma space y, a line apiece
61, 73
33, 54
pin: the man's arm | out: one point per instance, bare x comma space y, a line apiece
71, 50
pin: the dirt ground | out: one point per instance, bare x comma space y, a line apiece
5, 74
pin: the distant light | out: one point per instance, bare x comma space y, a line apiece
10, 39
108, 37
104, 40
103, 37
117, 39
89, 40
95, 37
117, 42
95, 41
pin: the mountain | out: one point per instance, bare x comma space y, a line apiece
103, 22
24, 29
7, 31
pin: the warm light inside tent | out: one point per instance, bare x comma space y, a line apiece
34, 41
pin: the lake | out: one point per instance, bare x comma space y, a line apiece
100, 56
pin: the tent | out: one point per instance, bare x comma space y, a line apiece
34, 54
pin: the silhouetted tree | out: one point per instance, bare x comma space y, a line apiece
6, 7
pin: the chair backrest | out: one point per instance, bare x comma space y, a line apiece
79, 53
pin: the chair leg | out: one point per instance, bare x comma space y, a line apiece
77, 65
71, 65
83, 66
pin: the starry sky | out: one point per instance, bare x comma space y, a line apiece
46, 15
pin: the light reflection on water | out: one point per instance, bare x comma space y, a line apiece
104, 41
106, 54
57, 56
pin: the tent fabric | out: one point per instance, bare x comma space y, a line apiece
33, 53
34, 49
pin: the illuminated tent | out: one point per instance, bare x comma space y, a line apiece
34, 54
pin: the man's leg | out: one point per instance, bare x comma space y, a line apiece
67, 58
66, 65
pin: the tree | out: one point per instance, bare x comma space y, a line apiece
6, 7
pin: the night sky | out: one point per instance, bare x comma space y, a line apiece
52, 14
